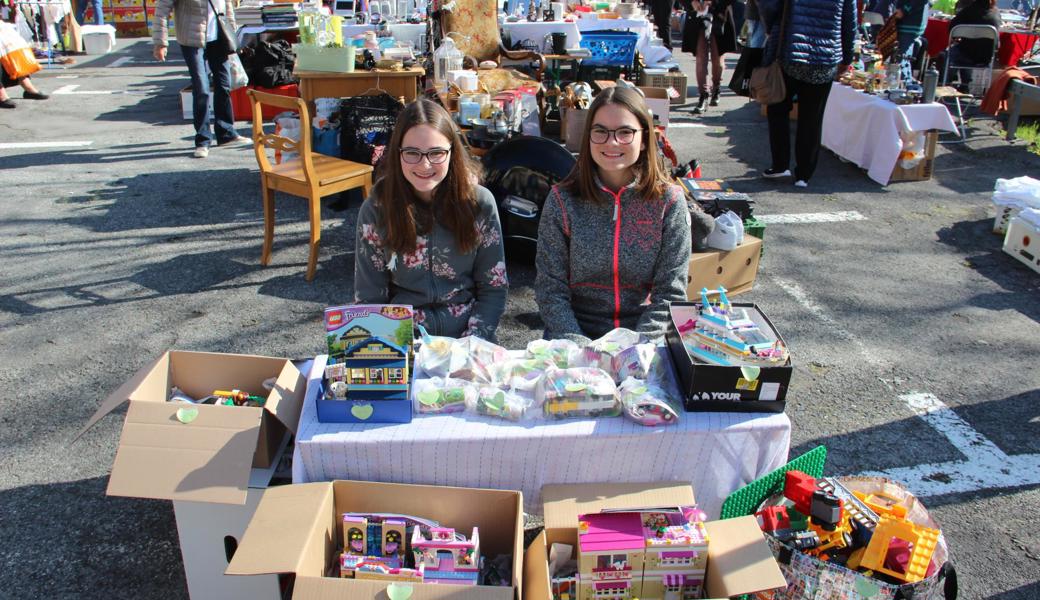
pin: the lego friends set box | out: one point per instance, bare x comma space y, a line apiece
729, 357
367, 370
643, 540
358, 539
188, 436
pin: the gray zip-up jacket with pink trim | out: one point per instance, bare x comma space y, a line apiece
612, 264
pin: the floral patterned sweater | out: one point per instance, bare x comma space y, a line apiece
454, 294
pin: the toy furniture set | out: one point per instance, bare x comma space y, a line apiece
650, 554
374, 547
367, 372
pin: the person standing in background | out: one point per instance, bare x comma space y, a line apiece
708, 32
197, 36
912, 17
662, 12
81, 11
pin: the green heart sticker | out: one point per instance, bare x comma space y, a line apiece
750, 373
362, 411
575, 387
427, 397
187, 415
396, 591
496, 401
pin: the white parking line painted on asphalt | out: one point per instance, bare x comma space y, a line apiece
985, 466
26, 145
71, 89
67, 77
826, 217
121, 61
674, 125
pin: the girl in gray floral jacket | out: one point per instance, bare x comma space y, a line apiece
428, 235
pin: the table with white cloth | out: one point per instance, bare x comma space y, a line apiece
522, 31
716, 452
866, 129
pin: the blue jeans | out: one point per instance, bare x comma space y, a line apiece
200, 65
81, 12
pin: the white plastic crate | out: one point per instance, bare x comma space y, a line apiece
1003, 218
1023, 242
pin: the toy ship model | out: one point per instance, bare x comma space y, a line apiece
724, 335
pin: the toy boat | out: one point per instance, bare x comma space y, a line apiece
724, 335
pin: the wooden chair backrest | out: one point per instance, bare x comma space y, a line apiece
262, 141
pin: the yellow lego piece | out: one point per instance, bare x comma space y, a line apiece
883, 505
922, 543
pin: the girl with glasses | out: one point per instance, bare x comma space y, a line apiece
429, 235
614, 236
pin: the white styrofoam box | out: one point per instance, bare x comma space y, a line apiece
1004, 216
186, 109
98, 39
1022, 241
209, 535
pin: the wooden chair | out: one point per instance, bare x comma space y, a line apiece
311, 176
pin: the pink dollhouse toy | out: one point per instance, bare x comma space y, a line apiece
650, 555
446, 557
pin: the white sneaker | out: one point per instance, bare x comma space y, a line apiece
771, 174
238, 140
201, 151
801, 183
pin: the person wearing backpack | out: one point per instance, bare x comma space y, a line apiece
198, 36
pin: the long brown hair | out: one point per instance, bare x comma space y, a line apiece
454, 199
581, 181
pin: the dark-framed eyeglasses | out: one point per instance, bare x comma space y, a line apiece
623, 135
436, 156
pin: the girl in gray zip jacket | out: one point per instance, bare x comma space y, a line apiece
428, 235
614, 238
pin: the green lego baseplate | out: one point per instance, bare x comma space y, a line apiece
747, 499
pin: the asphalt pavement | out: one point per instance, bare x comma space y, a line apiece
915, 338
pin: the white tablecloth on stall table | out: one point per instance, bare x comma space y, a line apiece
716, 452
536, 32
865, 129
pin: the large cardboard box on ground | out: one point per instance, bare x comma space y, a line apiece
207, 458
296, 529
923, 170
734, 270
739, 559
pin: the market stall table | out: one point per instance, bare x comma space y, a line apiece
866, 129
534, 33
323, 84
716, 452
1014, 44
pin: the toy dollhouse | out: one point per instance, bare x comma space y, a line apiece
446, 557
725, 335
650, 555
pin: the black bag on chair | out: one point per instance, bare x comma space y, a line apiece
750, 58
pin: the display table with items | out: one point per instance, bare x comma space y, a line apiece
489, 417
1014, 43
326, 84
872, 132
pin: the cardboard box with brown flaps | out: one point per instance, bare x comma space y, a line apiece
207, 458
296, 530
739, 559
734, 270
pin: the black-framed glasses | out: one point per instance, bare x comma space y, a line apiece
435, 155
623, 135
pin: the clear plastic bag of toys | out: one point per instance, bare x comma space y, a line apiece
442, 395
577, 392
480, 359
492, 401
600, 353
521, 374
438, 356
561, 352
647, 404
634, 361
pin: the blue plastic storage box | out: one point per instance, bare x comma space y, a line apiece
617, 48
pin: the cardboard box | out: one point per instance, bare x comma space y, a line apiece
296, 529
709, 387
734, 270
739, 559
209, 535
923, 170
661, 78
658, 102
1023, 242
207, 458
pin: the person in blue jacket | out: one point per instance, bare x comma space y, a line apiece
817, 45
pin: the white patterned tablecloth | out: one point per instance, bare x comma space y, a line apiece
716, 452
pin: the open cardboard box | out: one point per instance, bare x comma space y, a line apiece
734, 270
208, 459
739, 559
296, 529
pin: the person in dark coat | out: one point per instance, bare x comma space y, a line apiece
708, 30
817, 45
662, 12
